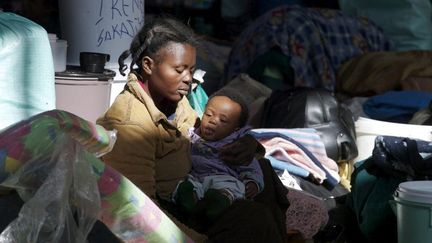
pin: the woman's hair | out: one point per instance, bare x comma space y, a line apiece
237, 98
153, 36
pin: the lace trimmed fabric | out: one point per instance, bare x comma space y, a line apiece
306, 213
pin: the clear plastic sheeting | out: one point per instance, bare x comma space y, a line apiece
55, 187
51, 160
46, 159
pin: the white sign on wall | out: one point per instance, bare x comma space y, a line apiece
105, 26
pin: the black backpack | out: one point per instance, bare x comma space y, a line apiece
314, 108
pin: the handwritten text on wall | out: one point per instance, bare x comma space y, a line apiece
119, 19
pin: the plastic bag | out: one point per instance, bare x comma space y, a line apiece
45, 161
56, 187
50, 160
198, 100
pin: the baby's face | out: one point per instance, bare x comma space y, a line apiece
220, 118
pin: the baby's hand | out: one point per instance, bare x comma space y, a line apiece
251, 189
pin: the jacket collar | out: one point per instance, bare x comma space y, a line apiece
156, 115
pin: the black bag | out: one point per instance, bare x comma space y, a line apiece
314, 108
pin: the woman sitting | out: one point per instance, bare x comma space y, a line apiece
152, 116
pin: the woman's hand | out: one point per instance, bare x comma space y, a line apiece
239, 152
251, 189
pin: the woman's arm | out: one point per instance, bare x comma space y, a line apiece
242, 151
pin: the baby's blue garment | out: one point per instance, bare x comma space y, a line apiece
206, 161
218, 182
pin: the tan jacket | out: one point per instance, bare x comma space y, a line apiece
150, 151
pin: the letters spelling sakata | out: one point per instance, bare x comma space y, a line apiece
117, 18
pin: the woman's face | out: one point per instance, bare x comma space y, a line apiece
220, 118
170, 72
